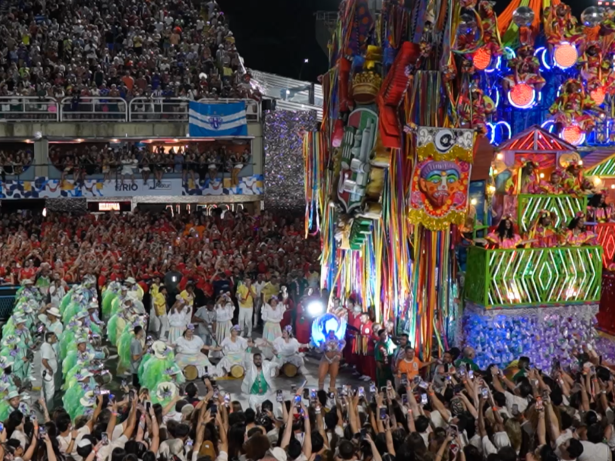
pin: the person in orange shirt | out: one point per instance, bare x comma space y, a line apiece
409, 365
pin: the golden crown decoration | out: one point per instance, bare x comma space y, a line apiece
365, 87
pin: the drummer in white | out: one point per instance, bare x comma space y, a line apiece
286, 349
234, 350
189, 349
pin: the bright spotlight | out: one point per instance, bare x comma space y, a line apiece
315, 308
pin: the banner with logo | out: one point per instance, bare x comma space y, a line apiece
441, 176
43, 187
211, 120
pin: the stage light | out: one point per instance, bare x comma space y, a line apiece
473, 201
542, 175
322, 325
500, 156
315, 307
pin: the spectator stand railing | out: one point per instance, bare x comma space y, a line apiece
28, 108
154, 109
94, 109
176, 109
107, 109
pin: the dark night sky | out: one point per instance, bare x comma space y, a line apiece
277, 35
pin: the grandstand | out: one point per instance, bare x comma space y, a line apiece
94, 100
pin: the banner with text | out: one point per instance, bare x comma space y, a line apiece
43, 187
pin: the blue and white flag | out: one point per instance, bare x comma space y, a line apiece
213, 120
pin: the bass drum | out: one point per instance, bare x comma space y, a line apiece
191, 373
103, 377
237, 371
289, 370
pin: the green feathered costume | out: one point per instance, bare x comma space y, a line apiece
68, 337
20, 368
123, 350
73, 395
158, 370
116, 304
112, 329
66, 300
8, 328
110, 292
71, 310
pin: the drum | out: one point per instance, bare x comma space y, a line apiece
103, 377
289, 370
237, 371
191, 373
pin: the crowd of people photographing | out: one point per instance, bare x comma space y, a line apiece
159, 49
439, 409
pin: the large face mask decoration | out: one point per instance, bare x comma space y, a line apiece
439, 181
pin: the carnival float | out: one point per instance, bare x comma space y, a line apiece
462, 175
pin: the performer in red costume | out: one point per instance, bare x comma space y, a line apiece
289, 306
368, 361
362, 345
352, 329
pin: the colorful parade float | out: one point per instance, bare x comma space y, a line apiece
462, 174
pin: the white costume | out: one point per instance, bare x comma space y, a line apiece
234, 354
269, 370
272, 318
178, 322
48, 352
224, 315
189, 353
288, 352
205, 330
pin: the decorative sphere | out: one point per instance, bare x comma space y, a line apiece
523, 16
467, 24
592, 16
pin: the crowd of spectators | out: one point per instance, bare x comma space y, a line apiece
158, 49
449, 411
14, 159
214, 252
122, 160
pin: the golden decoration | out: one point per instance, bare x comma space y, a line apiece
419, 216
365, 87
455, 152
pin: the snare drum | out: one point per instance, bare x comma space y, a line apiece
191, 373
289, 370
237, 371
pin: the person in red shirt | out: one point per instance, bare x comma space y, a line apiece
287, 319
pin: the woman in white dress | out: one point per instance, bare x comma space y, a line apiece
179, 317
273, 312
234, 351
188, 348
224, 315
286, 350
